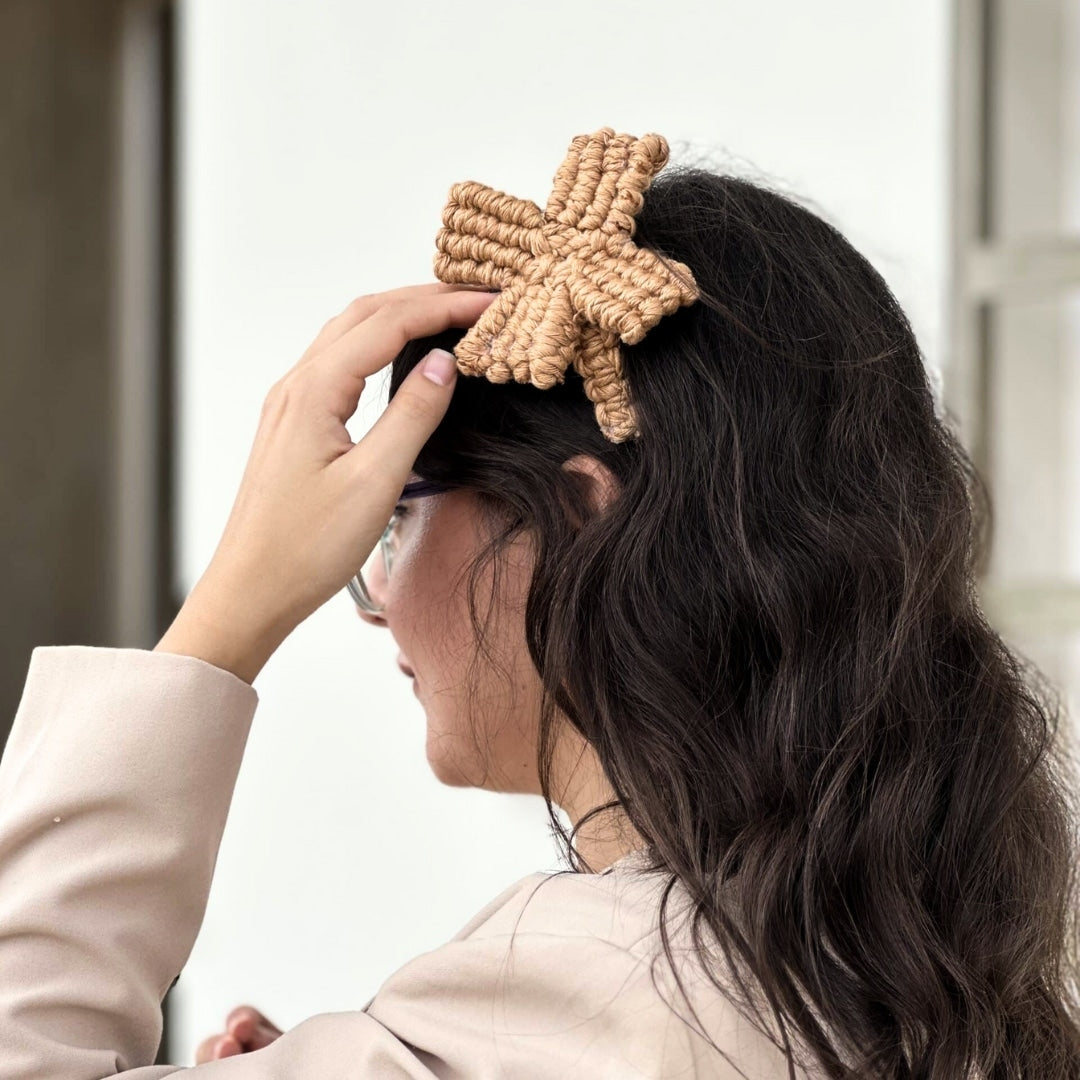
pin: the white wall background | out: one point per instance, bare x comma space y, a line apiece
318, 142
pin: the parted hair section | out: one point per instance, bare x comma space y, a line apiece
771, 635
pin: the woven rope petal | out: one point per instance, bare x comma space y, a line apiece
648, 155
551, 336
582, 190
483, 226
574, 284
599, 364
485, 348
629, 295
563, 185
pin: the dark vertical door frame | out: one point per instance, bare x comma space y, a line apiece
144, 325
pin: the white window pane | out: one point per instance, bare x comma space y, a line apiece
1033, 427
1034, 135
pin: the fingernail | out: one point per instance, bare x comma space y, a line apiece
439, 366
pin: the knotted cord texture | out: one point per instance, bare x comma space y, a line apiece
573, 283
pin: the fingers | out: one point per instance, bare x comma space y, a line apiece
370, 345
251, 1028
384, 456
252, 1034
215, 1047
364, 306
204, 1052
246, 1030
373, 343
242, 1012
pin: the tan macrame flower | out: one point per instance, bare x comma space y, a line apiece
573, 283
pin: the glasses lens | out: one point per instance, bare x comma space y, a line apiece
376, 568
389, 544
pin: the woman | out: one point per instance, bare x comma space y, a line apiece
819, 821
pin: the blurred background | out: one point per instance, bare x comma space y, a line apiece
189, 189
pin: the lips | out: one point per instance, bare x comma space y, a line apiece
405, 668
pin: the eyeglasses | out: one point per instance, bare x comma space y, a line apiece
387, 544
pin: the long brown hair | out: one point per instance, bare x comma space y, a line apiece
773, 640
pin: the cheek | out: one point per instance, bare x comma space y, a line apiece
474, 706
481, 733
427, 617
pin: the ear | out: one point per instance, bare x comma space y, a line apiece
599, 481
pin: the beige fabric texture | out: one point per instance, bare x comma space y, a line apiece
573, 282
115, 788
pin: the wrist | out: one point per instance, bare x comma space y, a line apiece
219, 637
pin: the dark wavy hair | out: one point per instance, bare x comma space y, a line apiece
772, 638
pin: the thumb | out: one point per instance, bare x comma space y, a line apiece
439, 366
395, 440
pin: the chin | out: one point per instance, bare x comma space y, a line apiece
445, 770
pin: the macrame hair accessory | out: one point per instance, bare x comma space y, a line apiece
573, 283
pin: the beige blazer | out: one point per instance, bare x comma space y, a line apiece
115, 787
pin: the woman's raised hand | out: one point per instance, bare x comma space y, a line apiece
246, 1029
312, 504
